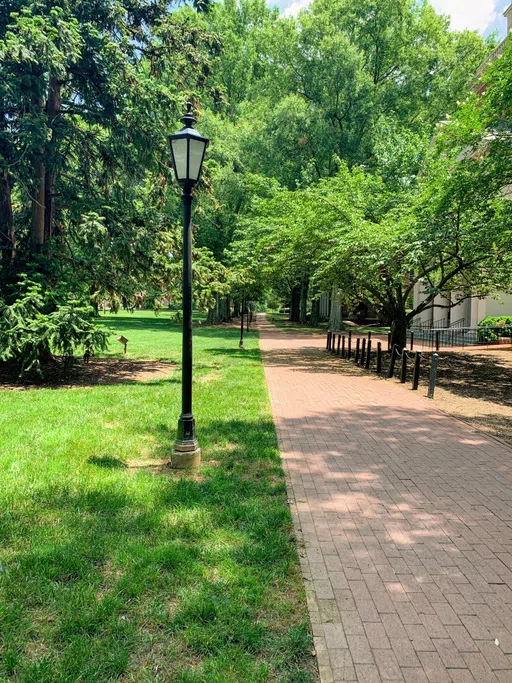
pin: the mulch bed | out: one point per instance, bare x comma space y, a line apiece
474, 385
97, 372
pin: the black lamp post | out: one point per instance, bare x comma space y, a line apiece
187, 151
241, 344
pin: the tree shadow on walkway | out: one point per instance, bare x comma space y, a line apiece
410, 488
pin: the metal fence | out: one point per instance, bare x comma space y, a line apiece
461, 336
369, 355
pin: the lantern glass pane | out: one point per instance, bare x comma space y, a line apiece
179, 153
196, 158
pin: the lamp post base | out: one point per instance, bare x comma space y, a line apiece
186, 456
186, 453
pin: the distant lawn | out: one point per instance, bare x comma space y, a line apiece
112, 567
281, 320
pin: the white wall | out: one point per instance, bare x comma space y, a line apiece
418, 297
461, 311
324, 306
472, 310
501, 307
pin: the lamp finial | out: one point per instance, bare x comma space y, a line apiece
188, 119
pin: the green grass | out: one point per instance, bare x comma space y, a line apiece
110, 571
281, 320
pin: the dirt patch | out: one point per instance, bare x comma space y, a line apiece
474, 385
477, 388
99, 371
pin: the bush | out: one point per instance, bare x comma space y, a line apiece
37, 326
493, 328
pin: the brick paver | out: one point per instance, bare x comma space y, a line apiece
403, 516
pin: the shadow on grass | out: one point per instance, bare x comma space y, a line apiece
142, 571
165, 325
97, 372
248, 354
106, 461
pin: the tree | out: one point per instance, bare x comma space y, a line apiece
88, 93
359, 64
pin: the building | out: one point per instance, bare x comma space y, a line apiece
466, 314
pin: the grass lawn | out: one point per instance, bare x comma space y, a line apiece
281, 320
113, 567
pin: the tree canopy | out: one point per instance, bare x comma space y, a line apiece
322, 171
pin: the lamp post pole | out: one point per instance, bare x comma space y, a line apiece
186, 447
187, 150
241, 344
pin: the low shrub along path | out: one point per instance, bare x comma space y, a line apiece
404, 519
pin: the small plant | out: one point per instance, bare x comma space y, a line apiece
36, 328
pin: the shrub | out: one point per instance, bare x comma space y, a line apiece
492, 328
37, 326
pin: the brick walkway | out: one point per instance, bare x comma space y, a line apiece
404, 521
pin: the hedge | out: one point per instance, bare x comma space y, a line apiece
495, 327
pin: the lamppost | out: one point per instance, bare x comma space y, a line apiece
187, 151
241, 344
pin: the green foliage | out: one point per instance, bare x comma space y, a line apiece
496, 321
494, 327
88, 94
38, 325
90, 90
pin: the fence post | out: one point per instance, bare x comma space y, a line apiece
389, 341
412, 341
349, 348
328, 341
369, 337
368, 354
433, 375
379, 358
339, 342
356, 359
394, 352
438, 334
343, 346
333, 345
403, 369
363, 351
416, 374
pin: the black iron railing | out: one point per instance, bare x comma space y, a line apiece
436, 338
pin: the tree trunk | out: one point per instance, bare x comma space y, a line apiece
38, 208
399, 331
335, 317
7, 243
93, 290
315, 312
295, 305
53, 111
221, 305
304, 300
213, 313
